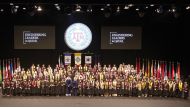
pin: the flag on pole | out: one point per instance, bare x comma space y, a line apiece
155, 72
67, 58
1, 78
77, 58
143, 68
152, 72
173, 72
18, 65
169, 71
11, 69
14, 63
137, 65
178, 70
88, 59
158, 71
60, 61
165, 73
3, 70
163, 65
148, 68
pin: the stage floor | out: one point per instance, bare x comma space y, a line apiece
56, 101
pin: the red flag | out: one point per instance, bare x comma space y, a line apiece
173, 72
178, 70
138, 65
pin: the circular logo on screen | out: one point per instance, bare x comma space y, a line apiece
78, 36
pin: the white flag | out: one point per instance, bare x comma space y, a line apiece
67, 59
88, 59
77, 58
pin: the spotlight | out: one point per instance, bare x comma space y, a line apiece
14, 9
2, 10
188, 7
118, 9
89, 9
137, 9
102, 9
152, 5
11, 4
78, 8
39, 8
173, 10
17, 6
159, 10
57, 7
108, 5
146, 7
24, 8
126, 7
130, 5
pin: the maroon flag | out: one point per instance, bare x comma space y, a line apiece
138, 65
178, 70
163, 70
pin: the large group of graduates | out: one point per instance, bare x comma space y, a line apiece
90, 81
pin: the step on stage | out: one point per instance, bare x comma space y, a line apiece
56, 101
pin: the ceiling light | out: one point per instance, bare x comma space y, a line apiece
152, 5
17, 6
39, 8
126, 7
78, 8
102, 9
11, 4
130, 5
137, 9
188, 7
24, 8
89, 9
118, 9
2, 10
108, 5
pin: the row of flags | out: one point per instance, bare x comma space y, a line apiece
8, 67
77, 59
160, 69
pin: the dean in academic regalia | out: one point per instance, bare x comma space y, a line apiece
166, 89
68, 86
75, 86
186, 90
63, 91
97, 87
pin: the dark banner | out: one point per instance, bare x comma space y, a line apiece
34, 37
121, 37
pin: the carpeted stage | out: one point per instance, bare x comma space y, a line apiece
56, 101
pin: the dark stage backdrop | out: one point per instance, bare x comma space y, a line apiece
163, 37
